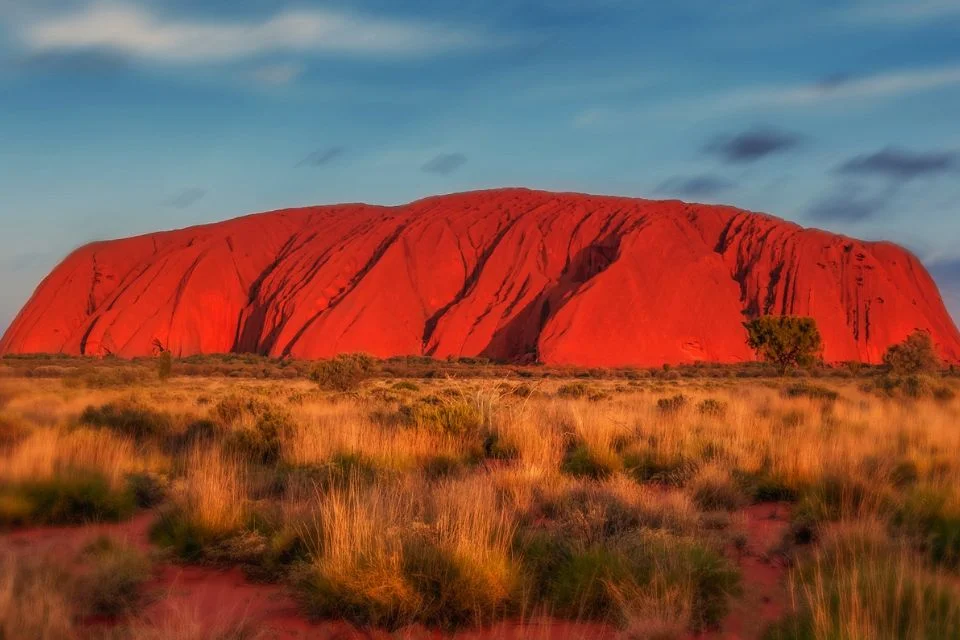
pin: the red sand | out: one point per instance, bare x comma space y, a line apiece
509, 274
764, 599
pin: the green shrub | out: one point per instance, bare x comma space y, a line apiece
453, 417
712, 408
344, 373
672, 404
870, 587
589, 582
340, 471
495, 447
405, 385
262, 442
573, 390
914, 356
441, 466
148, 489
128, 418
832, 498
812, 391
764, 486
70, 499
646, 466
231, 409
925, 516
174, 530
784, 341
583, 461
714, 491
434, 587
113, 585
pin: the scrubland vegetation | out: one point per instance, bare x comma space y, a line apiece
389, 494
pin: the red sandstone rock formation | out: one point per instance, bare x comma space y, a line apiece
509, 274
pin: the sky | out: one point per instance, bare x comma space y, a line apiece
128, 116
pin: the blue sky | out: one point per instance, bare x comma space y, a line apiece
129, 116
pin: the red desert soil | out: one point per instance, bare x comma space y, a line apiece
209, 599
509, 274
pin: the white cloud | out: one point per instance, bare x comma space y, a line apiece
136, 31
876, 86
884, 85
277, 75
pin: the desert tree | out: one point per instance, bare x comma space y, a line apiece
915, 355
785, 341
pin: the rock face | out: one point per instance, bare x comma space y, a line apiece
509, 274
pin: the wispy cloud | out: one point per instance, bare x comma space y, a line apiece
138, 32
900, 164
850, 202
322, 157
277, 75
890, 84
701, 186
445, 163
832, 89
185, 198
752, 145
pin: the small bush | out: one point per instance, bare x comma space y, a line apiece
261, 443
589, 582
925, 516
646, 466
714, 490
584, 461
128, 418
235, 407
914, 356
573, 390
441, 466
148, 489
343, 373
763, 486
174, 530
812, 391
672, 404
860, 585
712, 408
36, 599
454, 418
113, 586
71, 499
405, 385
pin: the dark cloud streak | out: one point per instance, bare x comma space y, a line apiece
850, 202
185, 198
322, 157
444, 164
705, 185
900, 164
752, 145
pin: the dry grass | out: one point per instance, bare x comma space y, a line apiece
214, 490
459, 502
35, 601
49, 453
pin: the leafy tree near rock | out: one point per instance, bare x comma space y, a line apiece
915, 355
785, 341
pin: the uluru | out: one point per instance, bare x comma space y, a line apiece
511, 274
